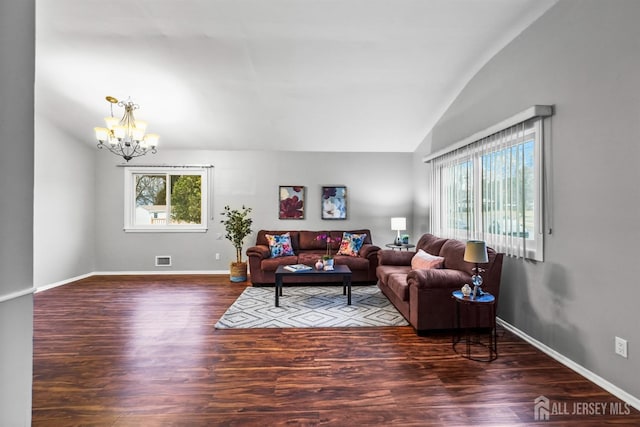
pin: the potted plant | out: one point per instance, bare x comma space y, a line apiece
327, 258
237, 224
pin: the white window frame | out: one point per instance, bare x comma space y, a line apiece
130, 202
531, 247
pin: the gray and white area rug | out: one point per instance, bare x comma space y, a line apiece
311, 307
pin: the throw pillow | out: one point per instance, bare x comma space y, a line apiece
424, 260
280, 245
351, 244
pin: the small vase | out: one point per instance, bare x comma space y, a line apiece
328, 264
319, 265
466, 290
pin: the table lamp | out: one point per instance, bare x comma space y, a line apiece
398, 224
476, 252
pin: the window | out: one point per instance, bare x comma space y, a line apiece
491, 190
165, 199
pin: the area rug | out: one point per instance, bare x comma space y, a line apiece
311, 307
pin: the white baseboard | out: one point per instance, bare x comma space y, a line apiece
124, 273
156, 272
16, 294
594, 378
62, 282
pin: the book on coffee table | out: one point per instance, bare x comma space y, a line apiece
297, 267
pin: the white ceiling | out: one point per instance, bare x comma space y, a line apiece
311, 75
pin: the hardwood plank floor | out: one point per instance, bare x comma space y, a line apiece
142, 351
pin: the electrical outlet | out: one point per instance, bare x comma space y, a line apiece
218, 257
621, 347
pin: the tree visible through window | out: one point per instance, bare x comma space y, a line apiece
186, 206
166, 200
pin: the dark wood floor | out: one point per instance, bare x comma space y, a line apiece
142, 351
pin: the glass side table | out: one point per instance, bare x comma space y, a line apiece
469, 334
406, 246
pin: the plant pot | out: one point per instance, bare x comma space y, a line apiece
238, 271
328, 264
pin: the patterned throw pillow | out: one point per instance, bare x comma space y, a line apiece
424, 260
280, 245
351, 244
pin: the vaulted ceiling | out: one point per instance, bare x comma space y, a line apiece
304, 75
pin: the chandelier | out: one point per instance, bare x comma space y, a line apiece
126, 136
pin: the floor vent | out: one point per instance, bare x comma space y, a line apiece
163, 261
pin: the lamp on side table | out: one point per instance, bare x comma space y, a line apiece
399, 224
476, 252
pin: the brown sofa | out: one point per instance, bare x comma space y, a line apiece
308, 249
424, 296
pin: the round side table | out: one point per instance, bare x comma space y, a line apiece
406, 246
469, 334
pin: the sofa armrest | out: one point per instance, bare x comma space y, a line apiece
438, 278
393, 257
367, 250
259, 251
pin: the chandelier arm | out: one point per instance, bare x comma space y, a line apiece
120, 151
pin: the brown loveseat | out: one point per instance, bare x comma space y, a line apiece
423, 296
308, 249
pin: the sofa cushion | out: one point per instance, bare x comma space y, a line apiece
312, 240
354, 263
399, 286
280, 245
453, 253
261, 238
383, 272
270, 264
431, 244
309, 257
423, 259
351, 244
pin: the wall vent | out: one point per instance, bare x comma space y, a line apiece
163, 261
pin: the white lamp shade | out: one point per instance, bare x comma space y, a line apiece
476, 252
152, 139
111, 122
137, 134
142, 125
119, 131
102, 134
398, 223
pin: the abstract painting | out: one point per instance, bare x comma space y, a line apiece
334, 202
291, 204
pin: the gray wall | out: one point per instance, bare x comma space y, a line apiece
64, 205
378, 186
584, 57
17, 50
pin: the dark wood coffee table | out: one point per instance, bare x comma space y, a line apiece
338, 270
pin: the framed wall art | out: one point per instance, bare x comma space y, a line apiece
291, 202
334, 202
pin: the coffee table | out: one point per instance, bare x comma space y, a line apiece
338, 270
